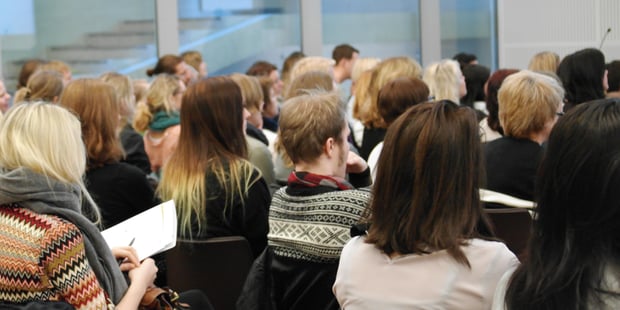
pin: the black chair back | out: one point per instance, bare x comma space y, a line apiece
217, 266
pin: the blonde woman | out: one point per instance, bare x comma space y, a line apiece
132, 142
544, 62
52, 251
354, 106
258, 142
445, 80
159, 119
216, 190
384, 72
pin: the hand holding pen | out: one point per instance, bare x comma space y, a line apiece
126, 256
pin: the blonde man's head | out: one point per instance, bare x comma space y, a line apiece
306, 122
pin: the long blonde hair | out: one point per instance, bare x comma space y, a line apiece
212, 141
46, 139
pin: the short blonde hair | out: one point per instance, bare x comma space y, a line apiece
311, 80
46, 139
527, 101
384, 72
544, 62
312, 63
443, 80
251, 91
306, 122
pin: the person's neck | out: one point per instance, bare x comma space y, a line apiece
339, 75
320, 166
539, 138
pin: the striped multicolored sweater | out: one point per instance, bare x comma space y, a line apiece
42, 258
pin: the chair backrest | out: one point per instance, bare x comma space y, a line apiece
513, 226
217, 266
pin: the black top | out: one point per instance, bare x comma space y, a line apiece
121, 191
512, 165
133, 144
372, 137
247, 218
270, 123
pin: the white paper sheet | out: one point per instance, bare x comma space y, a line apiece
152, 231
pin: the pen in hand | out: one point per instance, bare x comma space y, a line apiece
121, 260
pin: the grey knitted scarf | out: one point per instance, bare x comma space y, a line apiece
47, 196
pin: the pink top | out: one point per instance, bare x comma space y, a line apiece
159, 147
369, 279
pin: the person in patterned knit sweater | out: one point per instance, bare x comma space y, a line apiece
50, 251
310, 218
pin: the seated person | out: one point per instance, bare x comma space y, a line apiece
310, 218
423, 249
573, 259
529, 106
51, 251
217, 191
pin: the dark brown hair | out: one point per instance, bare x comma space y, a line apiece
425, 197
492, 88
261, 68
400, 94
343, 51
165, 64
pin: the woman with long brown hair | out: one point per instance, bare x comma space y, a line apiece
422, 249
216, 190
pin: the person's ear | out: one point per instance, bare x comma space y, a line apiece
329, 147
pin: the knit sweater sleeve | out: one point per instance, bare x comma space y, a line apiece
63, 260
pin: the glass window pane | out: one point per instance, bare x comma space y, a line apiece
91, 36
233, 34
376, 28
469, 26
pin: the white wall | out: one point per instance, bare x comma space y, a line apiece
526, 27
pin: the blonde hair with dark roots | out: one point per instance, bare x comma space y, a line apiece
212, 141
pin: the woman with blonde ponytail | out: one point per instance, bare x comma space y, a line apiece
216, 190
159, 119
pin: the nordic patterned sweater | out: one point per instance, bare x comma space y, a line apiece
314, 228
42, 258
